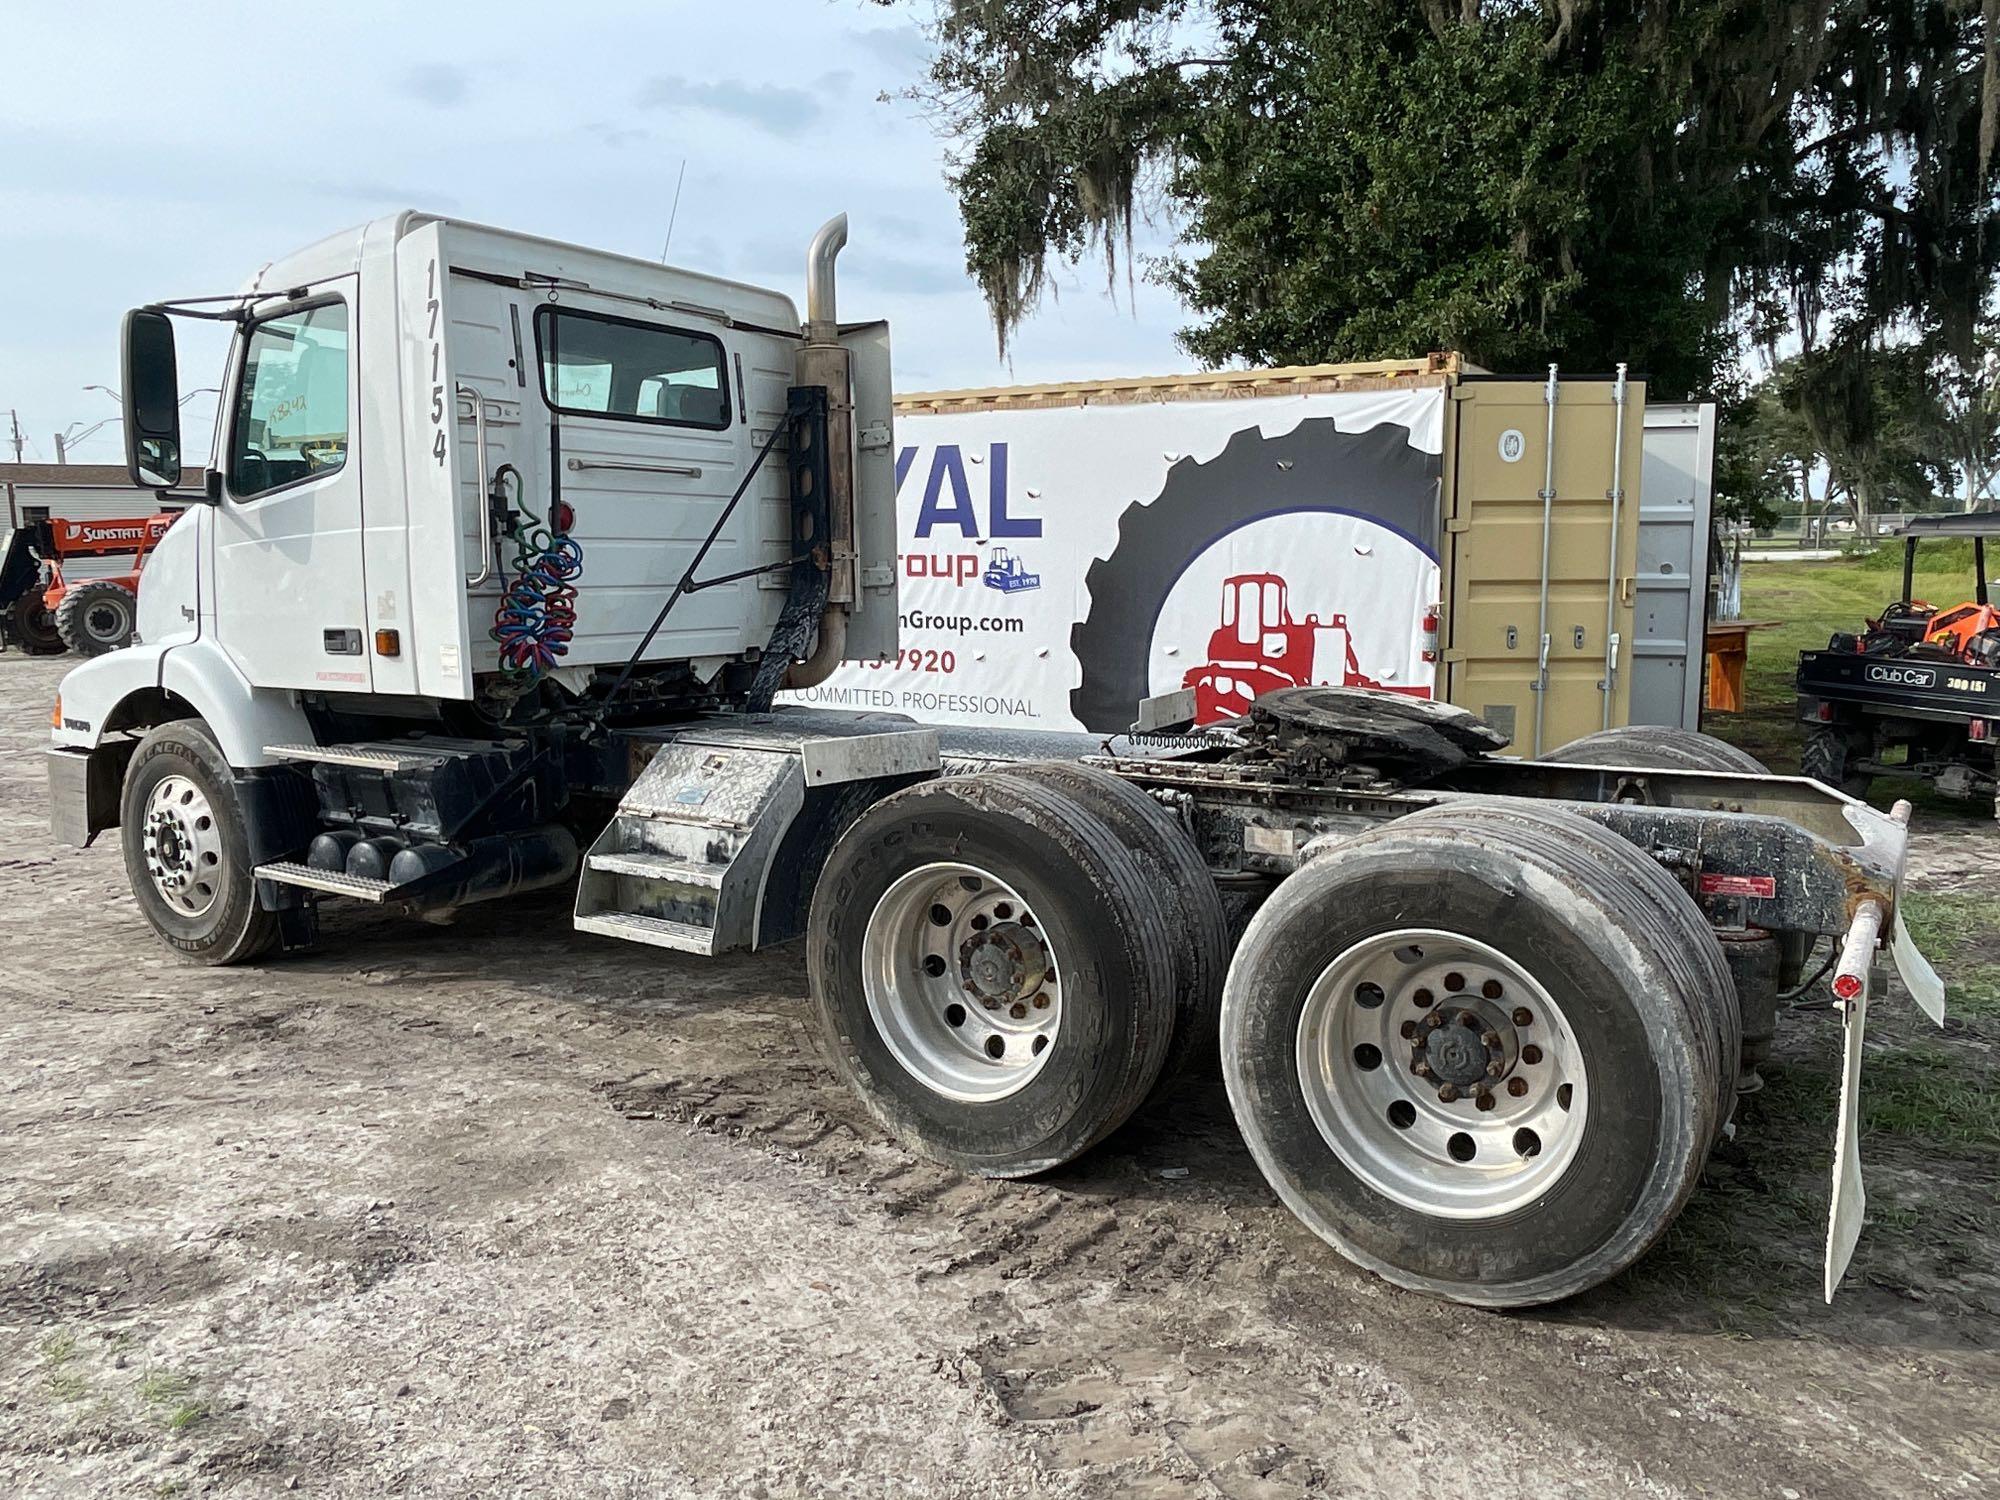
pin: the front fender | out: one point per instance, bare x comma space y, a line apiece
90, 694
243, 719
98, 694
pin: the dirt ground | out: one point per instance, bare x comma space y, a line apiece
499, 1209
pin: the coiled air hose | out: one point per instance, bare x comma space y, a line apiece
537, 615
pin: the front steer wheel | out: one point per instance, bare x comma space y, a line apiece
97, 617
1482, 1051
993, 971
187, 852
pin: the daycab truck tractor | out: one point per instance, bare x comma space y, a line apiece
505, 548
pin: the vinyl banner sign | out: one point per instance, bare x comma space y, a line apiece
1059, 565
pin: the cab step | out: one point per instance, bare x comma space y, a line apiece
683, 937
366, 757
333, 882
645, 866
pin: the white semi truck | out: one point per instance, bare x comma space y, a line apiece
504, 550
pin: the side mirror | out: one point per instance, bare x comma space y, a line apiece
152, 401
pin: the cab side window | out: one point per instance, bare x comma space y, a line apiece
291, 408
595, 365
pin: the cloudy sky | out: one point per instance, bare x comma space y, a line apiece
151, 151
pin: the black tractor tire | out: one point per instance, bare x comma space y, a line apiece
1375, 474
31, 623
97, 616
1828, 751
1619, 948
231, 928
1199, 925
1655, 747
1103, 919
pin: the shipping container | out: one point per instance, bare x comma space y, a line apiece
1068, 550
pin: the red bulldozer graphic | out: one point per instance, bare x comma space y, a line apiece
1259, 646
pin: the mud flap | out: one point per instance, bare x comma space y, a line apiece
1918, 977
1850, 1204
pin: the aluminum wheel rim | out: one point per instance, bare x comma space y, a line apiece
1394, 1076
962, 982
183, 846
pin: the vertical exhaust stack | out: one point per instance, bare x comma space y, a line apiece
823, 361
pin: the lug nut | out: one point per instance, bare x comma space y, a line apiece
1447, 1094
1434, 1020
1490, 1038
1469, 1021
1485, 1100
1531, 1054
1517, 1086
989, 1002
1523, 1016
1421, 1068
1494, 1069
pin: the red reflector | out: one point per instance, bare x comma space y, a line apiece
1846, 987
1824, 713
1979, 730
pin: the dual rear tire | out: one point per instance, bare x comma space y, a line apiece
1482, 1051
1006, 965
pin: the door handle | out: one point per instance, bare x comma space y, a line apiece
485, 504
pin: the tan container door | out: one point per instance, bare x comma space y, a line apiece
1495, 620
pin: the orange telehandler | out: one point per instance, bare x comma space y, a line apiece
43, 613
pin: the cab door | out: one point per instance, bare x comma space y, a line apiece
290, 594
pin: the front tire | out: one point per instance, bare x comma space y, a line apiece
187, 850
992, 971
1542, 1135
96, 617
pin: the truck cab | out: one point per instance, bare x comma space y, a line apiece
477, 488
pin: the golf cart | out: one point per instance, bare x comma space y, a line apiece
1918, 692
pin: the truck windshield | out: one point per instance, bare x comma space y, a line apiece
600, 366
291, 411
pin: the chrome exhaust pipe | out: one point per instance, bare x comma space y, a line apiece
823, 361
822, 321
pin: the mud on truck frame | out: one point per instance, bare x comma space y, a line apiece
492, 588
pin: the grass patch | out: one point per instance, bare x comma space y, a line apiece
59, 1351
1961, 935
171, 1399
1930, 1095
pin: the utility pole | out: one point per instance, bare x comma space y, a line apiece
61, 457
17, 433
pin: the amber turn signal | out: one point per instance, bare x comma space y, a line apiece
388, 643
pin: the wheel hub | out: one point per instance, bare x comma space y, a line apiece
1003, 964
182, 844
1470, 1046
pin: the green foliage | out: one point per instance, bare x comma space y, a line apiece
1526, 182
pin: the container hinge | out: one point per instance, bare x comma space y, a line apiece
873, 437
878, 576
